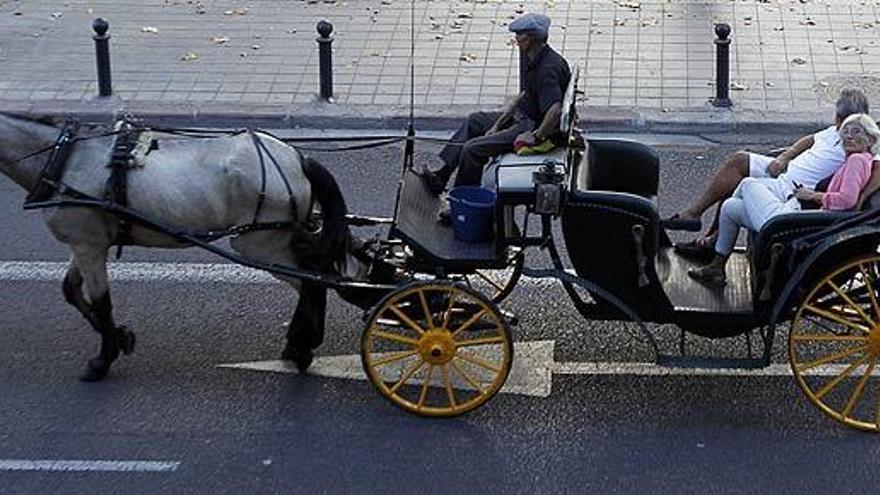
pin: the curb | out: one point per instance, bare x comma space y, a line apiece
704, 120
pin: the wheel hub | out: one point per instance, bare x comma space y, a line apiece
437, 346
874, 341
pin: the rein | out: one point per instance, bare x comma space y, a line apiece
53, 145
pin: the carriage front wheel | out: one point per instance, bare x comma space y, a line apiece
834, 344
437, 348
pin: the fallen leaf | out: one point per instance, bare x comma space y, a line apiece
737, 86
189, 56
236, 12
221, 40
150, 29
798, 61
56, 15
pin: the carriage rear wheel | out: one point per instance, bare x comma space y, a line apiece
498, 283
437, 348
834, 344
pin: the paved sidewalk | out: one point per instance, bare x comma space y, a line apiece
649, 60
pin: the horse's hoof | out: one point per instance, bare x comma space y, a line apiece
127, 341
302, 358
96, 370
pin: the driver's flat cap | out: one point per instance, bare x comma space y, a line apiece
533, 24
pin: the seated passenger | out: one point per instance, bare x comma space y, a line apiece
529, 119
756, 201
807, 161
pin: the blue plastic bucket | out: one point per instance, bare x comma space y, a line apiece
473, 213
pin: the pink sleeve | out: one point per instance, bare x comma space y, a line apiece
855, 174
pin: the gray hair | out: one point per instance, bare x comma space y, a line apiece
870, 127
851, 101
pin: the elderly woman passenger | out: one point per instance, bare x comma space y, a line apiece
756, 201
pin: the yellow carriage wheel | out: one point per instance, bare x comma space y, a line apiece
498, 283
437, 349
834, 344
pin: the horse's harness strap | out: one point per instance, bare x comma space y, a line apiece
55, 165
261, 198
116, 189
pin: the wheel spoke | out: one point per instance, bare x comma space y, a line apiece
470, 322
425, 386
407, 320
870, 291
395, 338
851, 303
448, 384
836, 318
427, 311
817, 337
480, 362
448, 313
843, 374
857, 393
396, 357
831, 357
467, 378
480, 341
406, 376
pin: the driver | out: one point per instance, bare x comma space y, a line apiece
530, 118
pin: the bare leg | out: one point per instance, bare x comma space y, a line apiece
725, 180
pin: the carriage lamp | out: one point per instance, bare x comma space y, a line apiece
548, 188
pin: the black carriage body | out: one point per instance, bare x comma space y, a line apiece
613, 237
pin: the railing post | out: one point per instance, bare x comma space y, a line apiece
722, 66
102, 56
325, 58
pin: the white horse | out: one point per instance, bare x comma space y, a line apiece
197, 185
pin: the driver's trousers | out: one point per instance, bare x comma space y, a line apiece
470, 149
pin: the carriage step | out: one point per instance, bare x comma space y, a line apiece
674, 361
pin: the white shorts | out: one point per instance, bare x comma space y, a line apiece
758, 165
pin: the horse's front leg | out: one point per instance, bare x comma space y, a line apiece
90, 268
306, 331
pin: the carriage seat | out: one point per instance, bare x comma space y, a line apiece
781, 231
619, 165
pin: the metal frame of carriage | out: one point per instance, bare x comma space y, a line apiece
436, 344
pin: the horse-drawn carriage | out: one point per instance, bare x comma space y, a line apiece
436, 342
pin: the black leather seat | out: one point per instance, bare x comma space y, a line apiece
773, 241
614, 204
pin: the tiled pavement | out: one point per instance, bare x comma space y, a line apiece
788, 57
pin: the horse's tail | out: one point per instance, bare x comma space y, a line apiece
325, 190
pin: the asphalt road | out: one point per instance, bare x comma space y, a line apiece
234, 431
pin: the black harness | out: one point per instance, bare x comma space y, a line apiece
50, 176
116, 188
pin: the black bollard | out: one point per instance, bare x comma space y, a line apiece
102, 56
722, 66
325, 58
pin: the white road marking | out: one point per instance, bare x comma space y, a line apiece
50, 271
46, 271
533, 369
88, 466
